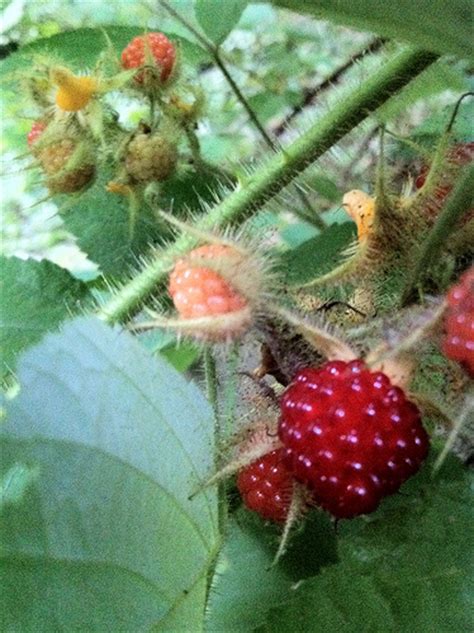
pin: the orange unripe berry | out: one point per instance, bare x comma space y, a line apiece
199, 291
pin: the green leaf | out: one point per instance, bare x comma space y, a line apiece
267, 105
180, 354
325, 186
36, 297
106, 538
317, 255
108, 228
217, 19
405, 568
246, 586
81, 48
435, 25
189, 189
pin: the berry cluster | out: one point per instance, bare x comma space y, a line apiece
75, 118
348, 435
459, 323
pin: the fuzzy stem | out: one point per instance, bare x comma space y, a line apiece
418, 149
279, 170
195, 148
456, 109
231, 391
457, 204
380, 186
311, 216
211, 389
211, 382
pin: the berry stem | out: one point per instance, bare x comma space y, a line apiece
294, 512
195, 147
418, 149
380, 185
231, 391
277, 172
457, 204
211, 382
311, 216
211, 389
214, 51
456, 109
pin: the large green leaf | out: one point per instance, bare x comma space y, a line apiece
36, 297
108, 228
81, 48
105, 537
436, 25
408, 567
218, 20
246, 586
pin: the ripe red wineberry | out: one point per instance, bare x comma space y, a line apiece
266, 486
350, 436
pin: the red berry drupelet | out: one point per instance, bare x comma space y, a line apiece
350, 436
266, 486
198, 291
153, 46
459, 323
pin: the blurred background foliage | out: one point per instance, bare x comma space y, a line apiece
278, 59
